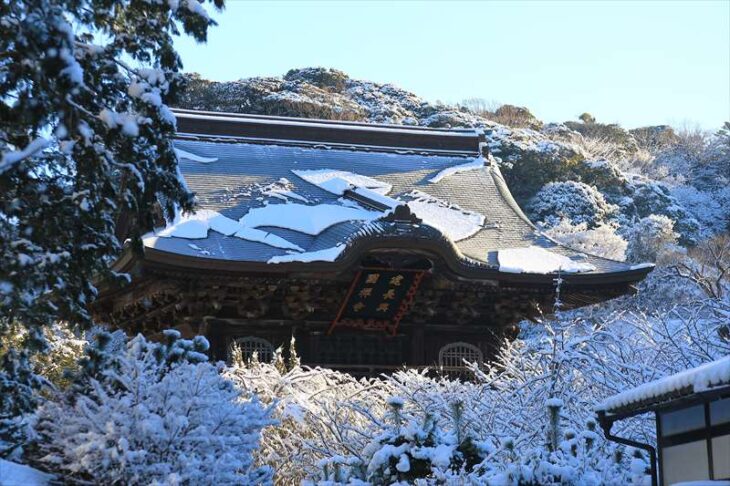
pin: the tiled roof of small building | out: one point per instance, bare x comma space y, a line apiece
712, 375
239, 169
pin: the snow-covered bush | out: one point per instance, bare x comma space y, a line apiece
319, 415
153, 414
650, 238
601, 240
407, 448
575, 201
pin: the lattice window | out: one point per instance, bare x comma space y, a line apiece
250, 345
453, 355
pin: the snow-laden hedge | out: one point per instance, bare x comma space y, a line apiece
575, 201
528, 418
153, 414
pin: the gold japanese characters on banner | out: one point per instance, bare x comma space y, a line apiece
378, 299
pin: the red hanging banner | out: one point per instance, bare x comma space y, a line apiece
378, 299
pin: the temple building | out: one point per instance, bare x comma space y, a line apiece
374, 246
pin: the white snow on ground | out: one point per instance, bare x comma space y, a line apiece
477, 163
305, 219
337, 181
534, 259
698, 379
253, 234
12, 474
326, 255
450, 219
182, 154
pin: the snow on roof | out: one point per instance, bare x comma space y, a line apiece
450, 219
183, 154
13, 474
253, 234
534, 259
311, 220
325, 255
282, 189
196, 225
709, 375
338, 181
376, 197
477, 163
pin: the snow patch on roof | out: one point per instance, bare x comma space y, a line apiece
311, 220
534, 259
195, 225
639, 266
453, 221
376, 197
183, 154
326, 255
337, 181
253, 234
709, 375
282, 189
477, 163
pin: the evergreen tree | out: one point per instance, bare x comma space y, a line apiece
85, 134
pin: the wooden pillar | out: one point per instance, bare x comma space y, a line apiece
418, 353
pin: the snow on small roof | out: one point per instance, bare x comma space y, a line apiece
710, 375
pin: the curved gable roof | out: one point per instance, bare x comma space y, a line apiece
284, 175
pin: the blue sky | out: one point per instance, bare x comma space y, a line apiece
634, 63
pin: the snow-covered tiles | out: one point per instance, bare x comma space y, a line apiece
337, 181
477, 163
534, 259
311, 220
183, 154
453, 221
325, 255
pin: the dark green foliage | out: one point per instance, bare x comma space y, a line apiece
101, 360
83, 137
328, 79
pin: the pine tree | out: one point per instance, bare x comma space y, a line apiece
85, 134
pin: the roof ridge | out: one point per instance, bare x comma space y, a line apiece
323, 121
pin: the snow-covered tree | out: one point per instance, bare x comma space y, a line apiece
650, 238
85, 135
601, 240
576, 201
161, 414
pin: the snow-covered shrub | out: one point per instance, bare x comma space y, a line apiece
601, 240
650, 238
408, 448
153, 414
708, 266
319, 415
708, 206
575, 201
647, 197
